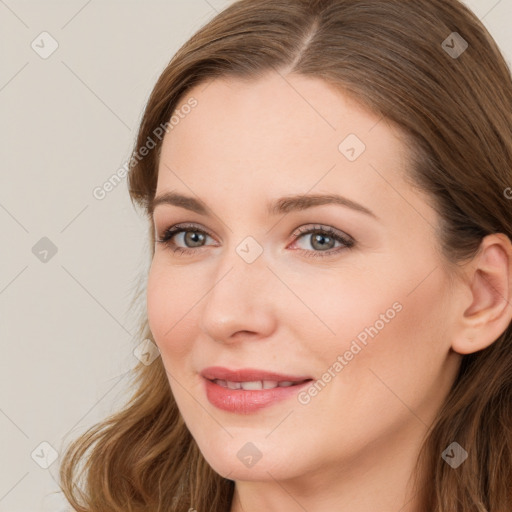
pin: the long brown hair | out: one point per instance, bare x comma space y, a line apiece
407, 62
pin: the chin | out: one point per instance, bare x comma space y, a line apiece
245, 460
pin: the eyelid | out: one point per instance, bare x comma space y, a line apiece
322, 227
184, 226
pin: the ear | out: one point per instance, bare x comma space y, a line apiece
486, 311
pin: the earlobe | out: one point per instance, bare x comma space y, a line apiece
490, 285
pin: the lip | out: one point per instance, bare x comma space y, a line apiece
243, 401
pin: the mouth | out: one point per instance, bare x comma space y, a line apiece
248, 390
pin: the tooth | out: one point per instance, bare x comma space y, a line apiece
255, 384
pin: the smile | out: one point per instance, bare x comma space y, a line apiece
249, 396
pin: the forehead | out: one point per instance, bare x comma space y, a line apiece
275, 111
291, 134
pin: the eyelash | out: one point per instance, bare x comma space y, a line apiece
348, 242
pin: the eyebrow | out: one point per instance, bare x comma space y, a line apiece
276, 207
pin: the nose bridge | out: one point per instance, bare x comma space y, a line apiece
239, 297
241, 271
243, 252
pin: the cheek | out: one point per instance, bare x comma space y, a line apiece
392, 326
407, 353
348, 305
170, 311
395, 372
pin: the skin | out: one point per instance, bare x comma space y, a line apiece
354, 445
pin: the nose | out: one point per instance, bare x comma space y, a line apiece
241, 303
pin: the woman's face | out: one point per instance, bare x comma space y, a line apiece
270, 290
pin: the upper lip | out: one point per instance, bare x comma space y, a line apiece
248, 375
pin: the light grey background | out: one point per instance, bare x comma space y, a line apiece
67, 124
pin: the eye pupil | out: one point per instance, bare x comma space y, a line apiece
193, 237
317, 239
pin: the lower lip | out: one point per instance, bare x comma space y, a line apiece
244, 401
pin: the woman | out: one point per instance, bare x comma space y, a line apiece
328, 192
